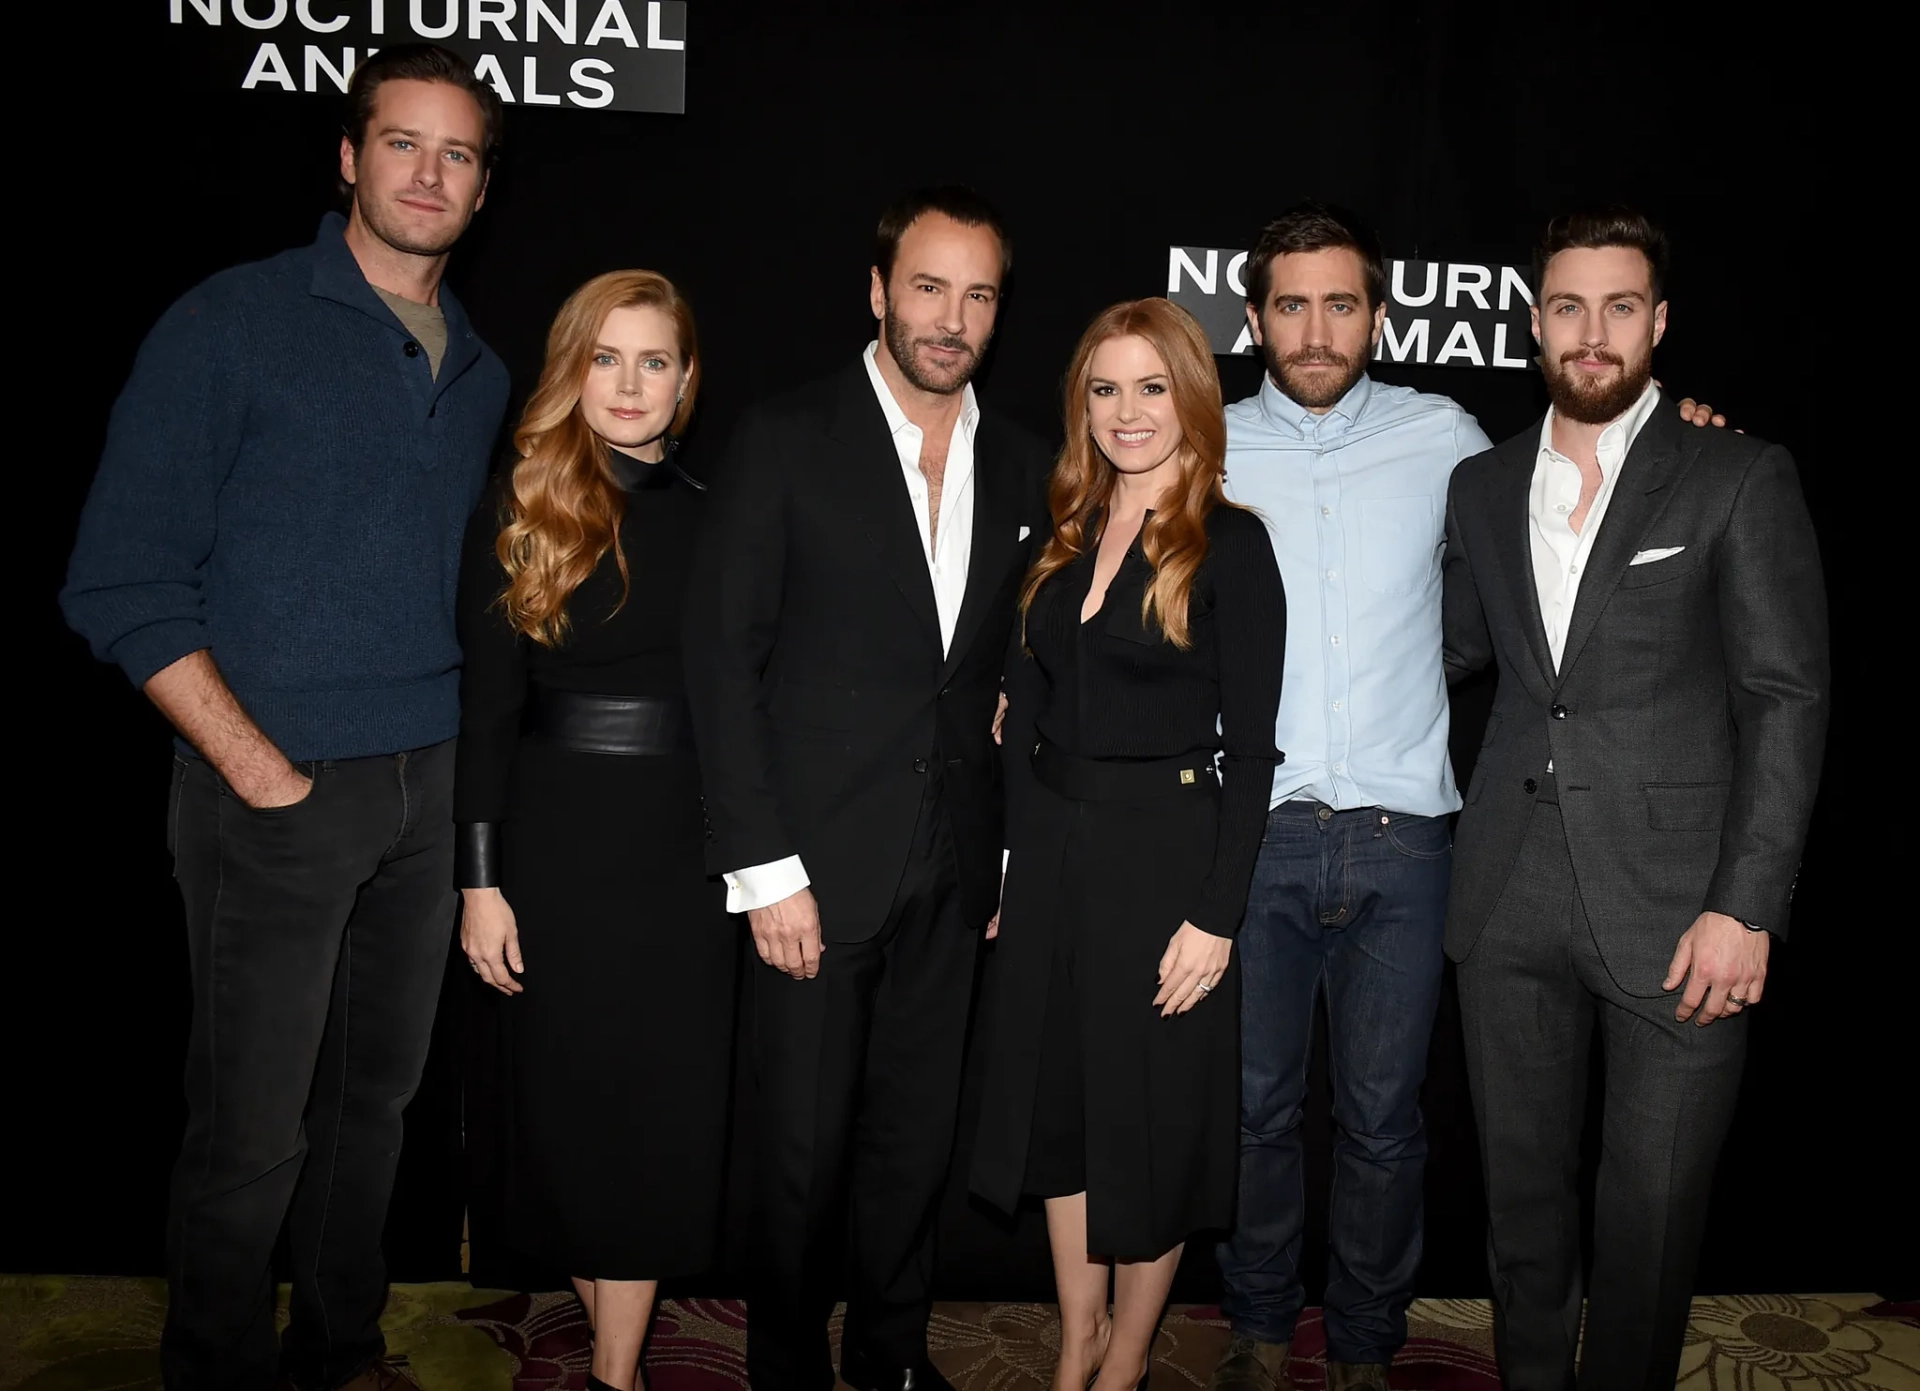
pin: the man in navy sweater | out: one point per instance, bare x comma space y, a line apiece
269, 551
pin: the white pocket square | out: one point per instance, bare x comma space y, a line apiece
1025, 532
1657, 553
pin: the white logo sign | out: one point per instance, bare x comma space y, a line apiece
620, 55
1439, 313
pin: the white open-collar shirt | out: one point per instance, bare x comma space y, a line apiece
947, 554
1559, 552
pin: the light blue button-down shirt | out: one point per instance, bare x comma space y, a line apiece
1356, 503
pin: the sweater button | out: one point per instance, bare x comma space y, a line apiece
412, 349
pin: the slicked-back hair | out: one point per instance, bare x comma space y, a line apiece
1315, 226
420, 62
1591, 228
956, 201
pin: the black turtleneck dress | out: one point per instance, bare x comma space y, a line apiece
613, 1065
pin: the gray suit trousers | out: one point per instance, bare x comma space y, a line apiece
1531, 991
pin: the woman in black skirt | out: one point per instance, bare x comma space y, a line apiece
581, 835
1155, 632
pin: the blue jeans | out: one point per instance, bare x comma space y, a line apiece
1350, 905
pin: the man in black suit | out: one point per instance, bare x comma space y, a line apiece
851, 618
1652, 597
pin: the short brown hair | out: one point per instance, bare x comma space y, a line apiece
1314, 226
956, 201
1591, 228
420, 62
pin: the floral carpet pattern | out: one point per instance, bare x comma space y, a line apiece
88, 1334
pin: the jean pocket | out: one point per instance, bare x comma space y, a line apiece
1419, 837
308, 768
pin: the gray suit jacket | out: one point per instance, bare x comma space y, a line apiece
1688, 717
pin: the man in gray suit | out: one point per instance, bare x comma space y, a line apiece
1652, 598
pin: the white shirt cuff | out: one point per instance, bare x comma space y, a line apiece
757, 886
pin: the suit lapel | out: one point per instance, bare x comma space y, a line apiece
876, 495
995, 536
1657, 459
1513, 545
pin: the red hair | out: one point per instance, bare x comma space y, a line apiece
1174, 538
564, 508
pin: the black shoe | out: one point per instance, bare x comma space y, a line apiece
865, 1373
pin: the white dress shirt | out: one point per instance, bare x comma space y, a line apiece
947, 554
1559, 552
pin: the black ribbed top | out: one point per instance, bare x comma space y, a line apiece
1110, 688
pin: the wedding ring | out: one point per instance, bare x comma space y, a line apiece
1736, 1000
1203, 987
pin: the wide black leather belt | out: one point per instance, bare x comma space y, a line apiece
610, 724
1110, 780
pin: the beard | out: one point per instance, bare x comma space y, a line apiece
1312, 392
1579, 397
385, 224
905, 348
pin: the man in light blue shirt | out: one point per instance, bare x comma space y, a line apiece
1350, 894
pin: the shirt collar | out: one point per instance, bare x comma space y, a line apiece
897, 418
337, 276
1283, 412
1617, 439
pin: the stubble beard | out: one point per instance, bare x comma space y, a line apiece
1307, 391
386, 225
1579, 398
904, 348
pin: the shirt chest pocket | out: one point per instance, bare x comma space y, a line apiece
1397, 544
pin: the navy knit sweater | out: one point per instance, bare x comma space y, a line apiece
285, 483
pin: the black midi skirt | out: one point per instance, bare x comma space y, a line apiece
618, 1055
1087, 1087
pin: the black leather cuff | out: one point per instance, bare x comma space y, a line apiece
476, 855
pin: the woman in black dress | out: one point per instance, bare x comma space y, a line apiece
1155, 632
581, 834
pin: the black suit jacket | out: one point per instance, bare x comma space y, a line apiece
820, 694
1688, 717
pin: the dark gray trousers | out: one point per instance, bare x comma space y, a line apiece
317, 936
1531, 992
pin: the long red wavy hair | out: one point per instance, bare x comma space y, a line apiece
564, 507
1174, 538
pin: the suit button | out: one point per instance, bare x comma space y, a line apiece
919, 765
1531, 785
945, 691
1559, 712
412, 348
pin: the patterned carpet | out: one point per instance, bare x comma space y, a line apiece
75, 1334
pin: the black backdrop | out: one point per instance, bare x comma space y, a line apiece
1107, 133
